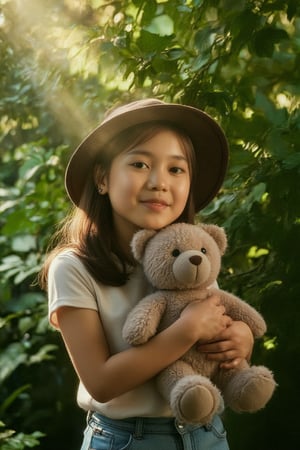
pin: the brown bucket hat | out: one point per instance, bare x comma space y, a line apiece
211, 149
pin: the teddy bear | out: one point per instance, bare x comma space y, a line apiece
182, 262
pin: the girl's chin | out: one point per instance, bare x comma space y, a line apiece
154, 224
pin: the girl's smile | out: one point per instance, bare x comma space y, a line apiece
148, 186
155, 204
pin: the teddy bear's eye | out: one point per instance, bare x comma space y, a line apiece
175, 252
203, 250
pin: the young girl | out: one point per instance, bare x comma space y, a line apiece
147, 165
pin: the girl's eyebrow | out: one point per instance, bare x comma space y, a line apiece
137, 151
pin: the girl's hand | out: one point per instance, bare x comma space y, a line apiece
206, 319
232, 345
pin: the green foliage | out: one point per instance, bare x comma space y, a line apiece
62, 65
11, 441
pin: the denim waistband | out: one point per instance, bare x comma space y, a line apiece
136, 425
140, 425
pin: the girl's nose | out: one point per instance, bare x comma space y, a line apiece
157, 181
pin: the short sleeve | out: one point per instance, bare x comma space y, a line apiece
69, 284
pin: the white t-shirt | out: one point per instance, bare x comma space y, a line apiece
70, 284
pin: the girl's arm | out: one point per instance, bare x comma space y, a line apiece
107, 376
233, 344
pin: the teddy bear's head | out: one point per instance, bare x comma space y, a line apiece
180, 256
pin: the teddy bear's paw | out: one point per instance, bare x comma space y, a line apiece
135, 339
135, 334
250, 390
194, 399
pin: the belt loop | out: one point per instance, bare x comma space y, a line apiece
88, 416
139, 428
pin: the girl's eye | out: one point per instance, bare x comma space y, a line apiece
176, 252
139, 165
203, 250
176, 170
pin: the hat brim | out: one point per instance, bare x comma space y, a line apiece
211, 148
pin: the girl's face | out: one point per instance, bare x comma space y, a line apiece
148, 185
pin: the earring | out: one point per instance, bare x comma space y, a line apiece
100, 190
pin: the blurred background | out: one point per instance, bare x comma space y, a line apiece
62, 64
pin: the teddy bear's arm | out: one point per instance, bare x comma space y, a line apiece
238, 309
142, 322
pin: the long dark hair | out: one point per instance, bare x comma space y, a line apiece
89, 231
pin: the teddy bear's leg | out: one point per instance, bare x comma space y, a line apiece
193, 398
247, 389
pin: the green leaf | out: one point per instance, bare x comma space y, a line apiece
24, 302
161, 25
17, 222
240, 159
175, 54
9, 262
204, 39
148, 8
10, 359
12, 397
163, 65
9, 204
23, 243
265, 39
275, 115
199, 62
21, 441
292, 161
43, 354
152, 43
293, 8
23, 274
255, 195
242, 26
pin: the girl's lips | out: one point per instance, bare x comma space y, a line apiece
155, 204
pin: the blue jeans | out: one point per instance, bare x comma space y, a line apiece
142, 433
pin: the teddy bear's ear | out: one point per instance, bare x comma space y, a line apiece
139, 241
218, 234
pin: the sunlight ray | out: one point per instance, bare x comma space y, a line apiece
42, 34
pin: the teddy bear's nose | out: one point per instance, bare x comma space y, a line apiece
196, 260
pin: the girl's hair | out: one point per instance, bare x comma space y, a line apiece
88, 230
